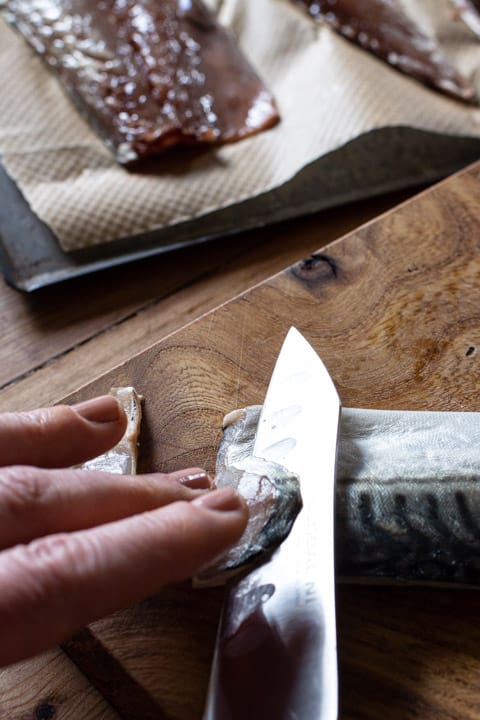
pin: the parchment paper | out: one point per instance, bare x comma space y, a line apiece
329, 92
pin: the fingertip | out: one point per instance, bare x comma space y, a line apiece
104, 422
194, 479
224, 500
227, 510
64, 435
104, 409
200, 530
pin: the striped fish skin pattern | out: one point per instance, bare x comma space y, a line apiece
407, 494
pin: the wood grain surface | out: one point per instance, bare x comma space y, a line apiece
62, 337
393, 309
49, 687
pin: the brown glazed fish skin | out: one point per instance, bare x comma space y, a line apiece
147, 74
122, 459
469, 12
271, 491
382, 28
407, 494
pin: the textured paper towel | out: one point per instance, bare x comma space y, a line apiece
328, 90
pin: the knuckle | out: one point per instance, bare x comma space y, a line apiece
184, 536
58, 562
21, 488
159, 534
40, 422
159, 488
35, 423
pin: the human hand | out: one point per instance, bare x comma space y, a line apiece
77, 545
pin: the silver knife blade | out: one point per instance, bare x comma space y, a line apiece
275, 656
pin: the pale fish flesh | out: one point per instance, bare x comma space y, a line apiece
122, 459
407, 493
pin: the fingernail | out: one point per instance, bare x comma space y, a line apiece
197, 481
223, 500
105, 409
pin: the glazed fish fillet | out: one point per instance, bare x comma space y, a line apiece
147, 74
382, 28
469, 11
407, 493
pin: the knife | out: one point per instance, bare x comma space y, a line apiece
275, 655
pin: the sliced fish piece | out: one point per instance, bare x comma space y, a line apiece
407, 493
271, 491
146, 74
382, 28
122, 459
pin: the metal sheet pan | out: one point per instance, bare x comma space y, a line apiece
377, 162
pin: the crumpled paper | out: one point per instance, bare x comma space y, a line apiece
329, 92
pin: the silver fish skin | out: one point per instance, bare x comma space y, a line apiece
271, 491
407, 494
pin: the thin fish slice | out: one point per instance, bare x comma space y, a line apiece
147, 74
271, 491
122, 459
382, 28
407, 493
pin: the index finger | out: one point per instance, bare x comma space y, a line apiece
58, 584
62, 435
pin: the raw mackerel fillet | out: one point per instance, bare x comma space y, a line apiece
148, 74
382, 28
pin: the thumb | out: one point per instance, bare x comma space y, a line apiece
61, 436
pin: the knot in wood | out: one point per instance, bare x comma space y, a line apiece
315, 270
45, 711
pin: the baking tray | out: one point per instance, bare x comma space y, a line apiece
378, 162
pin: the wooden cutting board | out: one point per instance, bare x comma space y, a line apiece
394, 311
